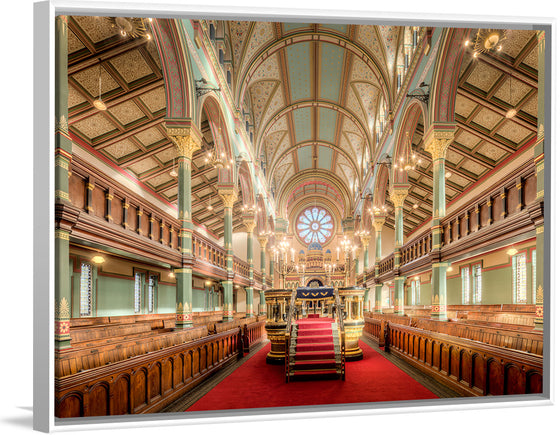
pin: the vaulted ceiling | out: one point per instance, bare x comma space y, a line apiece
311, 96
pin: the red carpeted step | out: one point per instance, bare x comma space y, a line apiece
300, 356
315, 339
315, 364
322, 331
311, 347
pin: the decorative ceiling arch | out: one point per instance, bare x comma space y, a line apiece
320, 36
412, 114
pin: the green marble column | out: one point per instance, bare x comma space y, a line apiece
378, 222
228, 195
187, 142
262, 302
63, 157
539, 169
249, 222
437, 143
398, 196
365, 245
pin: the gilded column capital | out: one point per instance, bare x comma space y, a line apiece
378, 222
228, 196
263, 241
438, 141
185, 140
397, 196
249, 225
365, 241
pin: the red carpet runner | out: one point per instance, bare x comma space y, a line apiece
314, 357
257, 384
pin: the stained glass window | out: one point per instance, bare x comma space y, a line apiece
85, 290
152, 283
137, 292
477, 283
465, 285
315, 224
519, 279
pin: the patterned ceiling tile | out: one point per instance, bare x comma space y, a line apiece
276, 103
327, 124
483, 76
121, 149
127, 112
149, 136
279, 124
360, 71
263, 32
260, 94
131, 66
171, 192
302, 124
74, 97
453, 157
96, 28
155, 99
74, 44
531, 106
238, 30
94, 126
331, 64
532, 59
516, 41
269, 69
341, 28
367, 36
487, 118
160, 179
368, 95
353, 104
299, 70
513, 132
288, 27
390, 36
418, 191
151, 47
467, 139
348, 125
464, 106
512, 91
473, 167
89, 80
457, 179
144, 165
271, 145
167, 155
490, 151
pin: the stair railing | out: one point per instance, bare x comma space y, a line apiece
288, 334
340, 319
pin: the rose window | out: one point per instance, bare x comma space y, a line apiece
315, 224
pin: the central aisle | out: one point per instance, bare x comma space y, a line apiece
257, 384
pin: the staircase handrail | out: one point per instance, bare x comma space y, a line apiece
340, 318
288, 335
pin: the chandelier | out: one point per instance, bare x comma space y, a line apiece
487, 40
130, 26
218, 161
409, 160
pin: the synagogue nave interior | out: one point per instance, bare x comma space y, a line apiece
296, 202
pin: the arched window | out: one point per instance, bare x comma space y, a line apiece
315, 224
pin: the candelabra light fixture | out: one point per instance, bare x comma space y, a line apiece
487, 41
217, 159
409, 160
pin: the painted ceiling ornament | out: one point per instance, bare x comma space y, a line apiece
315, 224
128, 26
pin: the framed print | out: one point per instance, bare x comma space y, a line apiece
260, 213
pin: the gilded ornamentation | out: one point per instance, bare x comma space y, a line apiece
185, 141
61, 234
249, 225
60, 194
397, 196
228, 196
62, 310
263, 241
378, 223
539, 296
437, 143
